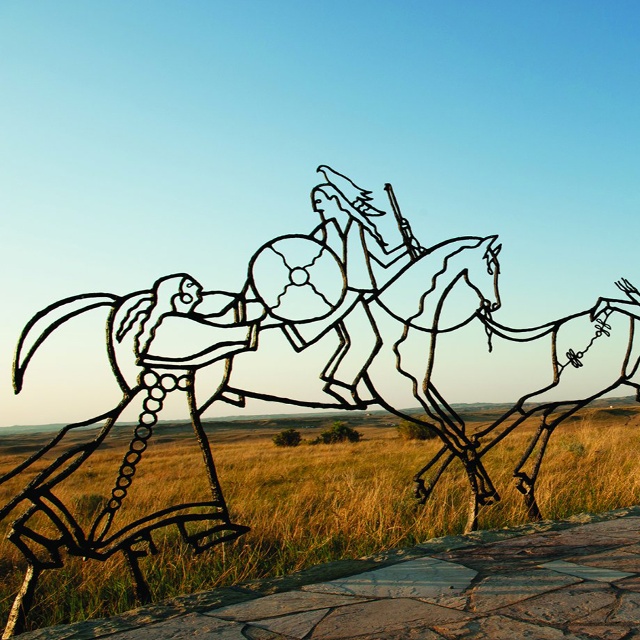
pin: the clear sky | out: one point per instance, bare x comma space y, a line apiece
138, 139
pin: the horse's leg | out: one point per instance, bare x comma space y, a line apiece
452, 430
482, 489
472, 516
423, 491
22, 603
483, 493
525, 482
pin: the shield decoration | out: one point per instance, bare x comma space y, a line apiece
297, 278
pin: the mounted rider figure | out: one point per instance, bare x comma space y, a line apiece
351, 227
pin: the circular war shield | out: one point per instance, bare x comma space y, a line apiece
297, 278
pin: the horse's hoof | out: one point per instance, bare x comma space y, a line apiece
523, 484
486, 499
421, 491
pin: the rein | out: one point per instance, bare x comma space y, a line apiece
491, 327
484, 313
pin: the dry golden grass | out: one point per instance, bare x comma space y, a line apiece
313, 504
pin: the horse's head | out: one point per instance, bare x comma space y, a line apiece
482, 274
418, 293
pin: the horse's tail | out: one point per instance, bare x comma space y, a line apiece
46, 321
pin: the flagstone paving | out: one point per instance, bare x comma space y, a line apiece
577, 580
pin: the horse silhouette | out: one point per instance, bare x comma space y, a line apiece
169, 338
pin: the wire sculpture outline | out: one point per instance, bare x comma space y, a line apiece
336, 282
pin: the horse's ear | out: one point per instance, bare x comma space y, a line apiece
497, 250
488, 241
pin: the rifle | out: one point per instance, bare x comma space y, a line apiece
414, 248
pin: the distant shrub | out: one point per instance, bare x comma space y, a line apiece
576, 448
408, 430
338, 432
287, 438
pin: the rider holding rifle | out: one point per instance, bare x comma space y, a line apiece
348, 227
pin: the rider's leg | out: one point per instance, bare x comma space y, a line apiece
303, 334
343, 346
362, 343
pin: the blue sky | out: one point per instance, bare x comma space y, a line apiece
139, 139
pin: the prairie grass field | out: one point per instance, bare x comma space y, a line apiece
310, 504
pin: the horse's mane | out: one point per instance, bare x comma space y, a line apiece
405, 295
448, 249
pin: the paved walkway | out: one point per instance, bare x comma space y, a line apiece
578, 579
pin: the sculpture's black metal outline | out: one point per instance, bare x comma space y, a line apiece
339, 279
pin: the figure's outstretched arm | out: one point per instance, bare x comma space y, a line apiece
221, 307
632, 292
630, 307
217, 304
384, 257
623, 306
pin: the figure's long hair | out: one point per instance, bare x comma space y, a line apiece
363, 214
168, 296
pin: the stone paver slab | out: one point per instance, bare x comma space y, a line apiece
281, 604
564, 605
497, 591
412, 633
191, 626
585, 572
500, 628
257, 633
426, 578
629, 525
533, 550
600, 632
629, 584
380, 617
625, 613
604, 535
296, 625
508, 555
618, 559
628, 610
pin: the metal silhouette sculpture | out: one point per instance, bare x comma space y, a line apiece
610, 317
357, 291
